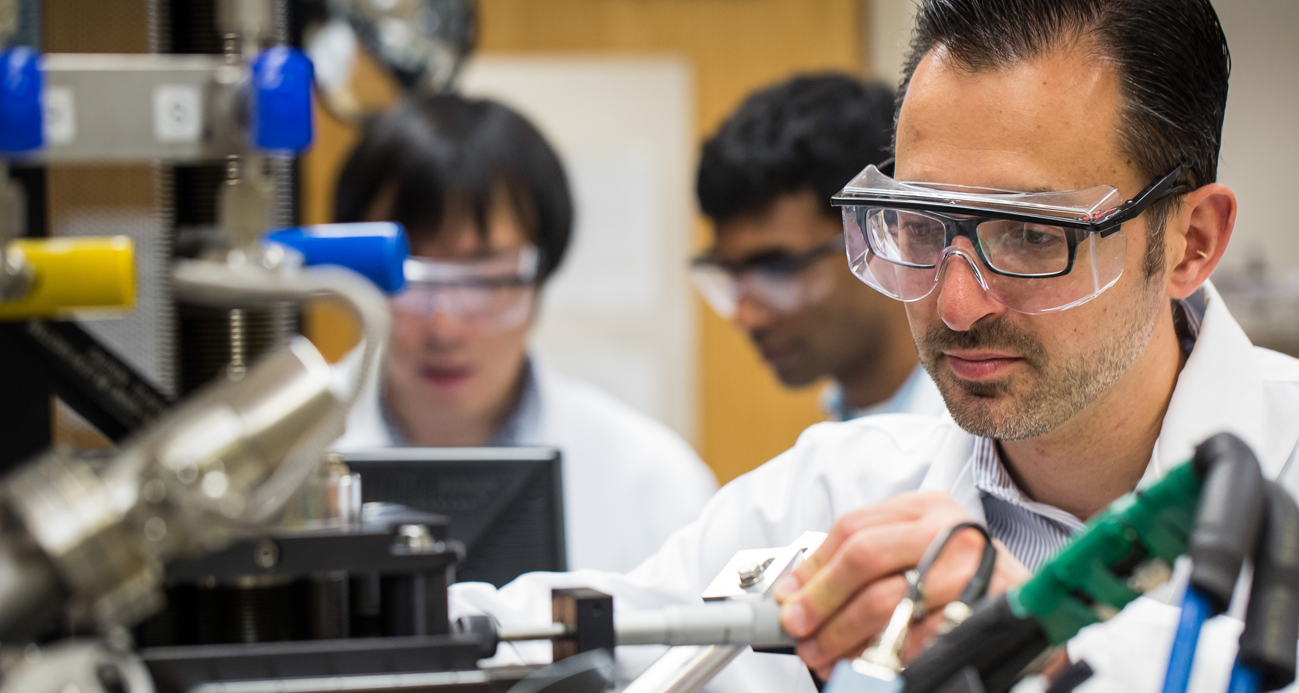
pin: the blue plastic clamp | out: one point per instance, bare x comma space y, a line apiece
376, 250
281, 102
21, 81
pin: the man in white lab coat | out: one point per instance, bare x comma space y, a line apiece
486, 204
1080, 359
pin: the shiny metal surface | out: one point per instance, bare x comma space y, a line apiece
29, 587
77, 666
755, 623
550, 631
118, 108
179, 489
684, 669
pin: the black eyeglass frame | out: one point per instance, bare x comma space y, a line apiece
967, 226
787, 266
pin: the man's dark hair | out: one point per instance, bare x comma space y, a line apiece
813, 132
446, 153
1172, 62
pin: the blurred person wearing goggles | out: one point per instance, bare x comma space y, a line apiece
487, 295
775, 268
1049, 227
486, 204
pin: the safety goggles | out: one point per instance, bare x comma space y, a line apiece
489, 295
1032, 252
777, 282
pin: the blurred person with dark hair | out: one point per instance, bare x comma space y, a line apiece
776, 267
486, 204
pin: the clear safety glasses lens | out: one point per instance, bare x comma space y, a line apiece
1020, 248
781, 293
487, 295
488, 309
903, 254
520, 266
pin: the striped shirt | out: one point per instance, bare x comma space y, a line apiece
1034, 531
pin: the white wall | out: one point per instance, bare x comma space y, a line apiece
1260, 141
618, 313
888, 29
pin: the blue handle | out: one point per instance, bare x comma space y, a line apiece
376, 250
282, 100
1196, 609
1244, 679
21, 81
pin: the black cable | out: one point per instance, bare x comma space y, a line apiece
1073, 677
977, 587
1267, 643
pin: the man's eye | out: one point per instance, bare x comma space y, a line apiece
777, 268
1038, 238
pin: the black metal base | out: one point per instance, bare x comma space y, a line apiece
178, 669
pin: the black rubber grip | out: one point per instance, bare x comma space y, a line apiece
990, 637
1228, 516
1272, 619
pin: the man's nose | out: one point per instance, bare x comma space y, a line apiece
751, 313
444, 329
962, 300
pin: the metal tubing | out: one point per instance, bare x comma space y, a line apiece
685, 669
754, 623
550, 631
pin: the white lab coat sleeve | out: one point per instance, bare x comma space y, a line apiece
629, 481
750, 512
800, 490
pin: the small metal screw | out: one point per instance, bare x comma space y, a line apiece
266, 554
751, 572
415, 537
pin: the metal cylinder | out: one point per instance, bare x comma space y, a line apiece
248, 427
29, 590
717, 623
165, 493
331, 497
330, 616
685, 669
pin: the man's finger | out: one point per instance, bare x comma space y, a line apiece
853, 627
920, 634
906, 507
870, 554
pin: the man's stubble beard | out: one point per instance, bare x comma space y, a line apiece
1058, 386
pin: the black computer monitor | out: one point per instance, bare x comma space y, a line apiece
505, 504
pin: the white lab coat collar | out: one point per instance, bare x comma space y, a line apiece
953, 473
1219, 389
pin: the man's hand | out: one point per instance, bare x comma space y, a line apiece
842, 596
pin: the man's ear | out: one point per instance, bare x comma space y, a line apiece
1197, 237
